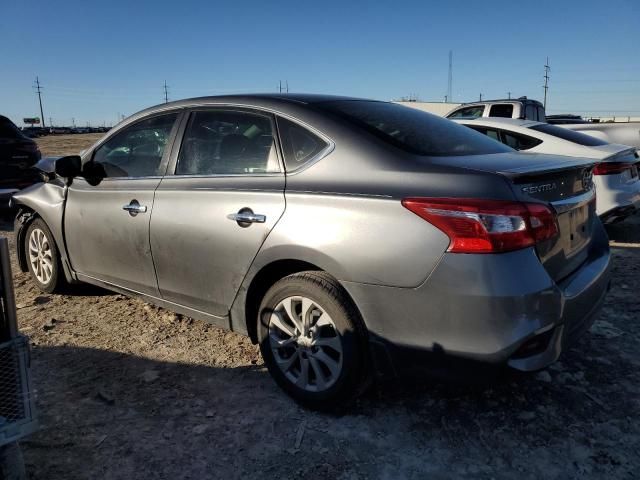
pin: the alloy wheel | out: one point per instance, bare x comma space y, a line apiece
40, 256
305, 343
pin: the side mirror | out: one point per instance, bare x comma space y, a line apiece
69, 167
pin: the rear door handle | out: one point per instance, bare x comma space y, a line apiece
134, 208
245, 217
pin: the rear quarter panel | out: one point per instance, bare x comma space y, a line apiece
356, 238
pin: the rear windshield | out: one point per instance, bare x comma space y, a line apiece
413, 130
570, 135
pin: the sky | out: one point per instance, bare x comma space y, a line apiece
99, 60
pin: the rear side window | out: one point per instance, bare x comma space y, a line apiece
519, 142
504, 110
413, 130
299, 144
468, 112
570, 135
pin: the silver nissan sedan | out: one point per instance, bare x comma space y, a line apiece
347, 237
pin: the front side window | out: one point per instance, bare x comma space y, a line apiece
137, 150
468, 112
412, 130
299, 144
225, 142
504, 110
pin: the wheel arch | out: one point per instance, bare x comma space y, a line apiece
24, 218
264, 278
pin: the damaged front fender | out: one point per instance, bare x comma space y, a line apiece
47, 201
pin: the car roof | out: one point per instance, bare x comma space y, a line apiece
498, 122
502, 100
264, 100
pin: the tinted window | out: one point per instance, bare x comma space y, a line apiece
468, 112
530, 113
219, 142
519, 142
299, 144
504, 110
413, 130
137, 150
570, 135
489, 132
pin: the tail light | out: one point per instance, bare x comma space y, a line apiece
486, 226
612, 168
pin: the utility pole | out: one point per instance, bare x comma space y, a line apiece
287, 82
166, 92
547, 69
38, 89
280, 86
509, 95
450, 81
481, 97
73, 122
50, 122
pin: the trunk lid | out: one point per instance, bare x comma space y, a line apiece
565, 183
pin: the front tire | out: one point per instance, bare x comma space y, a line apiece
43, 257
313, 341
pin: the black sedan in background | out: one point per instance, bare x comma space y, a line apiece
18, 154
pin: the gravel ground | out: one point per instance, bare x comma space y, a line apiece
127, 390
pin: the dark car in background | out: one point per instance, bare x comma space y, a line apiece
18, 154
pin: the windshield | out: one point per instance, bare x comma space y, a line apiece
570, 135
413, 130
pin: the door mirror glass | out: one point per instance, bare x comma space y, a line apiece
68, 167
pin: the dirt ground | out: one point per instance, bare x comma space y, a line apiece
127, 390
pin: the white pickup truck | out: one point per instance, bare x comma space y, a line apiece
625, 133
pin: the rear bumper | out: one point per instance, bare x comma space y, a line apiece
614, 200
500, 309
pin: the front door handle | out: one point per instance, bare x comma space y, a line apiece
245, 217
134, 208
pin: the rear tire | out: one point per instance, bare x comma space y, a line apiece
43, 257
313, 340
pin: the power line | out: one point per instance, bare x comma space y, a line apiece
38, 89
285, 88
547, 69
449, 96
